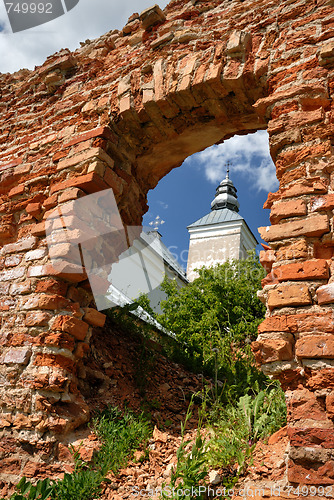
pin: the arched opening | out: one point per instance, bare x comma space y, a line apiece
186, 193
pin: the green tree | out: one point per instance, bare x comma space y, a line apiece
222, 301
216, 318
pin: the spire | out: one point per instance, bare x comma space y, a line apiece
226, 194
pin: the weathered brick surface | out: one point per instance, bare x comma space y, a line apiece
121, 112
289, 295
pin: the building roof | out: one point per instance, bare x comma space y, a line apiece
216, 217
169, 259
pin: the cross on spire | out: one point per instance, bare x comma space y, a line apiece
228, 164
156, 223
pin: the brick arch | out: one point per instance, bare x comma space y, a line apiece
120, 113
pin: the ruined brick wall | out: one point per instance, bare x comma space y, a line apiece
120, 113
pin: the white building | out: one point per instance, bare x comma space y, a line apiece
141, 269
220, 235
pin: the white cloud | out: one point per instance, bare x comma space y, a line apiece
249, 156
89, 19
163, 204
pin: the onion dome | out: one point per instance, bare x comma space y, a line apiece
226, 195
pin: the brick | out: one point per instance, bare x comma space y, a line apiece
330, 406
289, 296
327, 54
311, 437
88, 155
267, 258
37, 318
12, 274
296, 90
320, 378
38, 254
54, 360
13, 260
66, 271
63, 62
71, 325
307, 270
37, 229
325, 294
21, 288
91, 183
237, 42
50, 202
302, 403
20, 246
167, 37
296, 323
98, 167
271, 350
113, 181
94, 317
17, 357
322, 203
315, 225
310, 473
57, 339
52, 286
294, 157
286, 209
70, 194
297, 250
53, 302
315, 346
104, 132
151, 16
296, 119
16, 191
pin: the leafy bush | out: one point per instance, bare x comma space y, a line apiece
216, 317
221, 301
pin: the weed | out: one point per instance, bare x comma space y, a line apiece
121, 436
192, 467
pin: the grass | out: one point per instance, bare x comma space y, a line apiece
120, 434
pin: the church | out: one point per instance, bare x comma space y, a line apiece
221, 234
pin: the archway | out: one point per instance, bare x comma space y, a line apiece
120, 113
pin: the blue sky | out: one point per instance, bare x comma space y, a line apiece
185, 194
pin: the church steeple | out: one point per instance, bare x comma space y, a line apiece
226, 195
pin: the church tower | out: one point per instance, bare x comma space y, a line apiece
220, 235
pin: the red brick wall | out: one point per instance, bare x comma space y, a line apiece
120, 113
